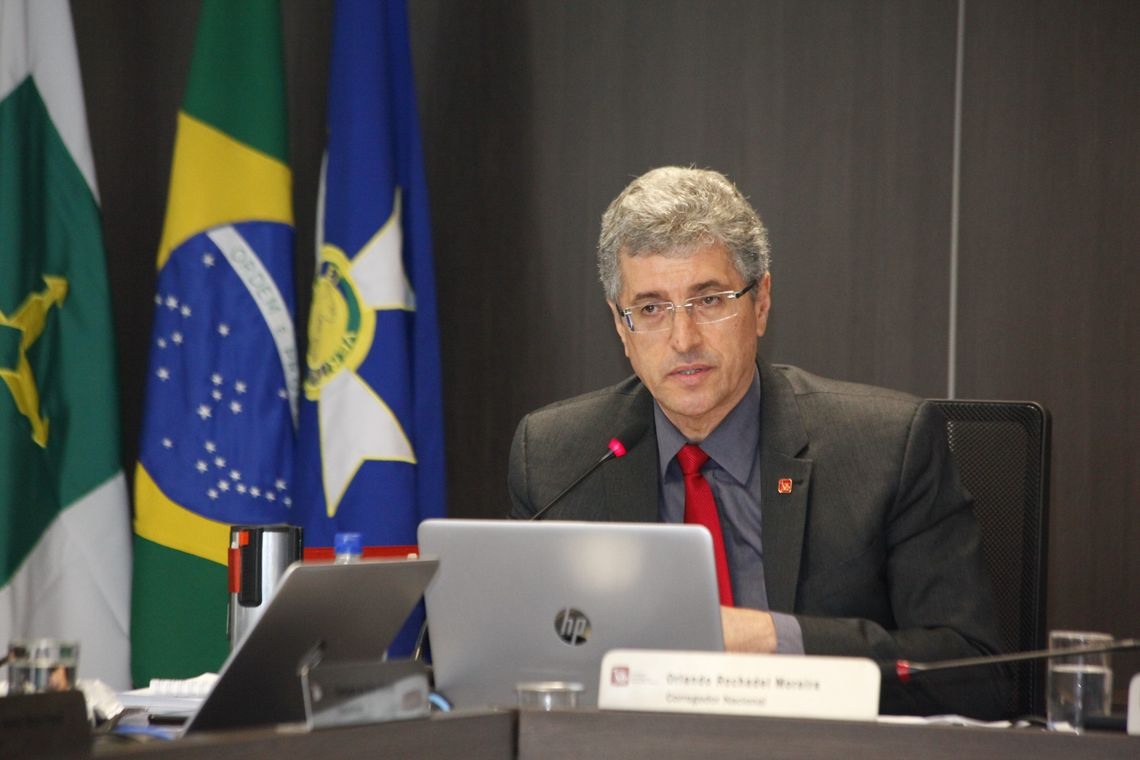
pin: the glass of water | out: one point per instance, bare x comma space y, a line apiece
1080, 685
39, 665
548, 695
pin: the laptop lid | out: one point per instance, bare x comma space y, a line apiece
518, 601
351, 611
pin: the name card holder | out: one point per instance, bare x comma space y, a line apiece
352, 693
790, 686
53, 724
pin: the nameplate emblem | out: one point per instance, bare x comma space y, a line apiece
835, 688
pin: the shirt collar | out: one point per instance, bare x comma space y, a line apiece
732, 444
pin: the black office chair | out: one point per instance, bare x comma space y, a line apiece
1002, 451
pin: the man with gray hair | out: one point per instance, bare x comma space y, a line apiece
838, 522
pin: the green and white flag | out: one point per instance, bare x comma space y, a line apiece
65, 554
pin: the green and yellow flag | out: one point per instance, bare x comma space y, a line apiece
64, 537
217, 439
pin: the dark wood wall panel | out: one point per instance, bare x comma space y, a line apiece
835, 118
1050, 273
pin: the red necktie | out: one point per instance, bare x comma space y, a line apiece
700, 509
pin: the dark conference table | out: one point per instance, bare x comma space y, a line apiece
578, 734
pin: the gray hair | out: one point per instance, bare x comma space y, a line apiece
672, 211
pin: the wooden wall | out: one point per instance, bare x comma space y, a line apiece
836, 118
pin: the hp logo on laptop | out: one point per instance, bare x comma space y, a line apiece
572, 626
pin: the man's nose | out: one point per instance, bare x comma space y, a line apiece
684, 334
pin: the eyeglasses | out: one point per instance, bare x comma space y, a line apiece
703, 310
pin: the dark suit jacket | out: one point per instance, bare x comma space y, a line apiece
875, 550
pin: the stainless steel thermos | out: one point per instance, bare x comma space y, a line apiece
258, 557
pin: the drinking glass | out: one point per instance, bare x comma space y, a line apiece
1079, 685
548, 695
39, 665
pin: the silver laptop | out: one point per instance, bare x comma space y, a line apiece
348, 612
521, 601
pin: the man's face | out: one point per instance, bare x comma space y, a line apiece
697, 373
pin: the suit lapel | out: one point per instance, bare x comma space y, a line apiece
786, 481
631, 482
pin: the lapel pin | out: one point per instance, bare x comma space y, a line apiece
784, 485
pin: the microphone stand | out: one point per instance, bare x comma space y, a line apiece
605, 458
904, 669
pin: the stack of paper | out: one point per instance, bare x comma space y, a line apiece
170, 696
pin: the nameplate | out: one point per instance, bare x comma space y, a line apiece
1134, 706
790, 686
44, 725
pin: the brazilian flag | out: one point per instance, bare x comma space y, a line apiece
217, 440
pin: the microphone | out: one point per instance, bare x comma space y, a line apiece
904, 669
629, 437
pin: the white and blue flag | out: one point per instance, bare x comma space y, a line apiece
370, 455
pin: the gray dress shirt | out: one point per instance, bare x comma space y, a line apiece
733, 473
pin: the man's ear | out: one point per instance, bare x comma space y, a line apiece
619, 325
763, 303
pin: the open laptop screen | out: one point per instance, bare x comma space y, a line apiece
351, 611
536, 601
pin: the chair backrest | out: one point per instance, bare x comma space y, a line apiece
1002, 452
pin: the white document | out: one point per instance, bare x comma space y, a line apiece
170, 696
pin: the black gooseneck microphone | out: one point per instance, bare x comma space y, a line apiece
629, 437
904, 669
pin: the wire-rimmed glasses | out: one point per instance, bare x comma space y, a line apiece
704, 309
